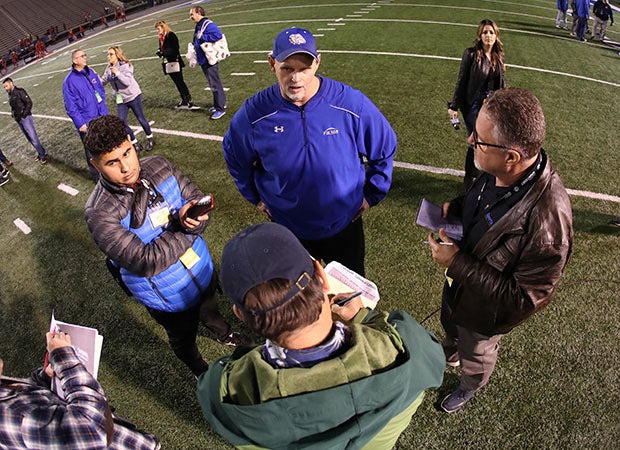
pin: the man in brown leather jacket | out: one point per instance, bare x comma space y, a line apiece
518, 234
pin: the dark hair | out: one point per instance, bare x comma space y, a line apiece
497, 52
518, 118
199, 9
104, 134
300, 311
7, 79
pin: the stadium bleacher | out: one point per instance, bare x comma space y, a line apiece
21, 18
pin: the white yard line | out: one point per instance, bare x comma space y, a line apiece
402, 165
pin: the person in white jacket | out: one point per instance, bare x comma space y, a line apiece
127, 94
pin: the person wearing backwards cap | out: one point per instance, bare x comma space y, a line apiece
311, 153
327, 376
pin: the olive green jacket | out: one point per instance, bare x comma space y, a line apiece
368, 393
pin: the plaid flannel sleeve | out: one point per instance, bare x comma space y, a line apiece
78, 422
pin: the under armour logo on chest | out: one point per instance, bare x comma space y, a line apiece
279, 129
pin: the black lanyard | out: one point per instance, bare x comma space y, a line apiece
482, 217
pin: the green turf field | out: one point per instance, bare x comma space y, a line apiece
555, 385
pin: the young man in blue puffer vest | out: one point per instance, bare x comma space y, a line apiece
138, 216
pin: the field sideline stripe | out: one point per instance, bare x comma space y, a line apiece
402, 165
460, 173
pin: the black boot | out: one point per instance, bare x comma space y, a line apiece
150, 143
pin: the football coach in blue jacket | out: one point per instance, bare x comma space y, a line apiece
311, 153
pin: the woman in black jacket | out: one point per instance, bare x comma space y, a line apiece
481, 72
169, 50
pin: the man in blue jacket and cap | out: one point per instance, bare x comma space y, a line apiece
312, 153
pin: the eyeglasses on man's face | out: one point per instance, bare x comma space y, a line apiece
480, 144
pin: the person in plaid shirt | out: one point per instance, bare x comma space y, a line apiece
33, 416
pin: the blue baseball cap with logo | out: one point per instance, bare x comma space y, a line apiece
292, 41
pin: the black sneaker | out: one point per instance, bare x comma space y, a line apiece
4, 177
234, 339
43, 160
191, 106
616, 221
150, 143
456, 400
138, 147
182, 105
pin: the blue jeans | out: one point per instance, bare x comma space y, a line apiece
213, 77
470, 115
122, 109
27, 127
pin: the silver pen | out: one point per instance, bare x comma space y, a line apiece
440, 243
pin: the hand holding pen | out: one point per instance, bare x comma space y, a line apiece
347, 299
444, 250
347, 305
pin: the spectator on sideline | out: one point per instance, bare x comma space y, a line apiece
353, 379
21, 110
170, 52
311, 153
583, 14
560, 20
518, 235
14, 59
207, 31
602, 14
138, 216
481, 72
127, 93
84, 97
34, 416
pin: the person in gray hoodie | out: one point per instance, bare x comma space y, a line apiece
127, 94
